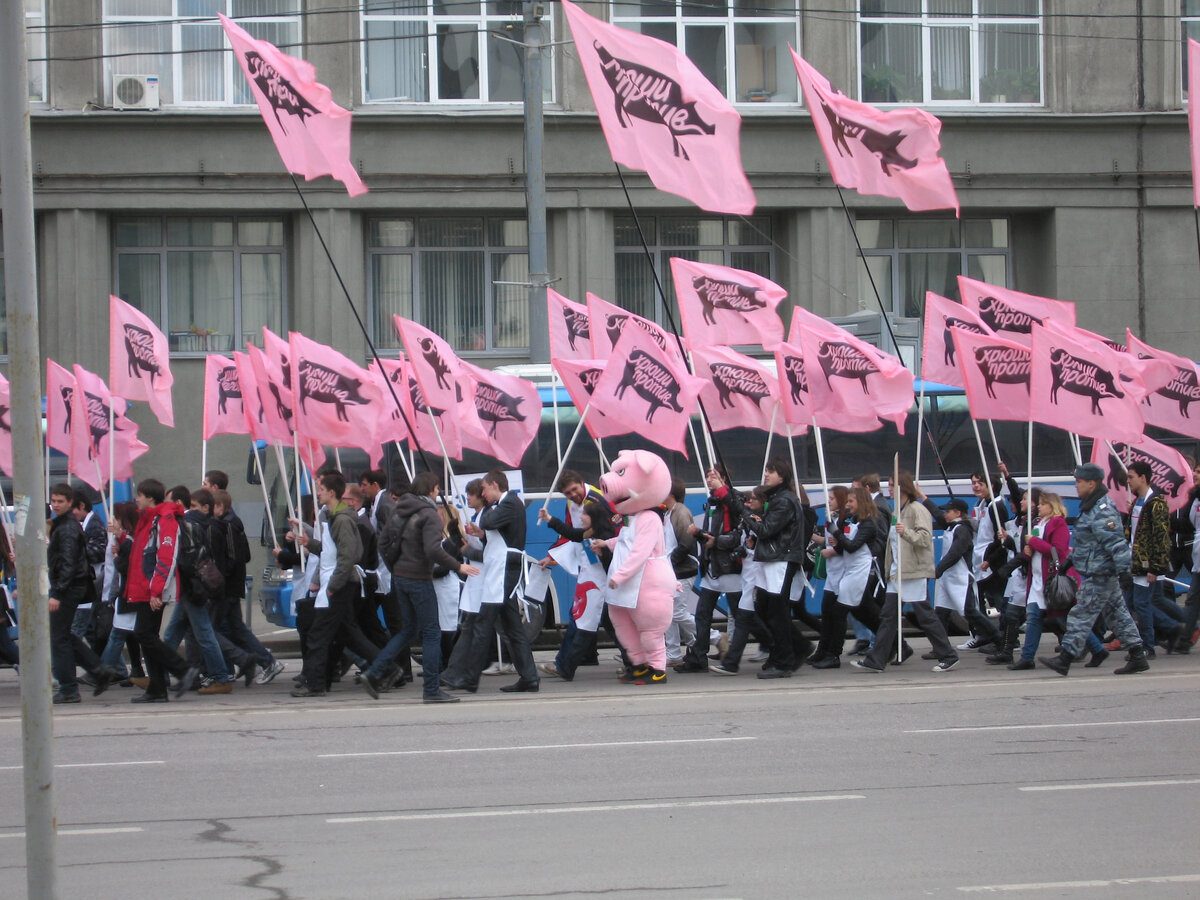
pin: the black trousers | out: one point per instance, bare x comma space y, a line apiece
504, 618
67, 649
160, 659
334, 621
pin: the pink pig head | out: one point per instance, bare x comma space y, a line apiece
638, 480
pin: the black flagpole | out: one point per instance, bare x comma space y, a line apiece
937, 453
675, 329
370, 344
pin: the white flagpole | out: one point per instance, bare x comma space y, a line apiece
1074, 438
995, 443
447, 469
600, 450
287, 487
203, 457
262, 483
987, 476
554, 401
920, 426
112, 449
770, 437
567, 454
792, 453
403, 460
337, 458
896, 498
821, 463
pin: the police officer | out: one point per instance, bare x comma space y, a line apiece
1102, 557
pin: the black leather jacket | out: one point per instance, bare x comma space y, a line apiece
777, 534
66, 559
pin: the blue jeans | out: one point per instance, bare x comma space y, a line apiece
112, 651
185, 614
419, 612
1141, 606
231, 623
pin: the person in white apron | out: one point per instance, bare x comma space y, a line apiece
470, 599
954, 590
743, 620
909, 564
988, 557
503, 525
338, 550
851, 540
1016, 588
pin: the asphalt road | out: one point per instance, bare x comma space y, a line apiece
831, 784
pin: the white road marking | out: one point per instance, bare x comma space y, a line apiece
533, 747
76, 831
610, 807
95, 765
1109, 784
1060, 885
968, 728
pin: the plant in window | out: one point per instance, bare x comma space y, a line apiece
883, 84
1001, 86
1031, 84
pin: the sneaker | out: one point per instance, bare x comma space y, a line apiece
498, 668
217, 687
654, 676
864, 666
267, 675
760, 656
722, 669
973, 644
946, 664
440, 697
549, 668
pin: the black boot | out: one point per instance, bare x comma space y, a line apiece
1137, 662
1060, 664
1004, 655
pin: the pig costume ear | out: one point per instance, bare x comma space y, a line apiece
645, 462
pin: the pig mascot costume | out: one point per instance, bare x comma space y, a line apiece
641, 582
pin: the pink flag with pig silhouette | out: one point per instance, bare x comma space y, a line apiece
570, 327
139, 359
719, 306
1076, 385
433, 362
851, 383
943, 316
741, 392
1012, 314
224, 411
610, 321
337, 401
580, 377
252, 404
310, 131
391, 425
648, 391
1170, 474
60, 389
793, 385
892, 154
507, 414
92, 409
995, 374
1175, 404
277, 418
661, 115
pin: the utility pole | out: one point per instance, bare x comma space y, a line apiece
535, 185
25, 376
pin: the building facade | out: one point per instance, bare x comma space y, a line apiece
1064, 127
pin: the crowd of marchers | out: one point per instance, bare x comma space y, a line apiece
379, 572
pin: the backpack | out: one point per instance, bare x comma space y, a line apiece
370, 554
392, 554
237, 547
195, 563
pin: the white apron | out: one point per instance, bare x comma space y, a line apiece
472, 591
625, 595
447, 588
835, 567
592, 578
750, 575
857, 572
770, 576
910, 590
950, 591
1037, 595
325, 566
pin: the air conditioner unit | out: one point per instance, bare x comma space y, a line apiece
135, 92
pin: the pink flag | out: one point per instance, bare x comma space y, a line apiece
223, 407
252, 401
942, 317
139, 359
719, 306
1170, 474
793, 385
661, 115
434, 364
1076, 385
6, 451
891, 154
852, 383
1193, 51
390, 426
580, 377
570, 327
741, 392
608, 324
277, 421
1169, 405
648, 391
1012, 314
995, 373
92, 405
337, 402
508, 412
60, 388
311, 132
433, 426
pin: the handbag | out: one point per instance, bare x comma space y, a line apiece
1060, 588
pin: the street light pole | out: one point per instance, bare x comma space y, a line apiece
25, 376
535, 185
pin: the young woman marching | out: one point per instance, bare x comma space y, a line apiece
851, 539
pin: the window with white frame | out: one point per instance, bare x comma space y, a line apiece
464, 277
450, 51
953, 52
737, 242
741, 46
1189, 28
908, 257
35, 48
181, 42
211, 283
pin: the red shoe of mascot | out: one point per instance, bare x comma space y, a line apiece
641, 582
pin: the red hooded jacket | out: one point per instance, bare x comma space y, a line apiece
146, 581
